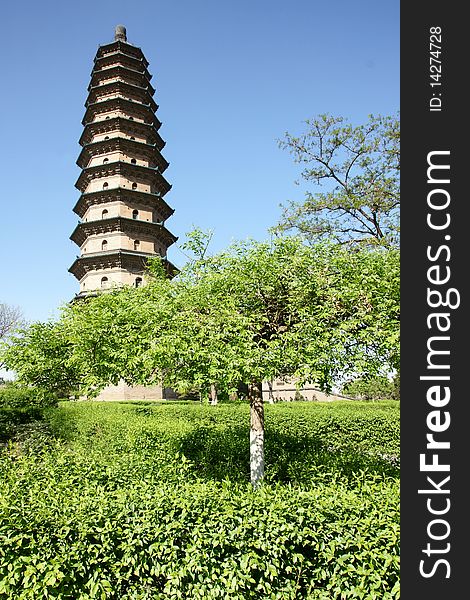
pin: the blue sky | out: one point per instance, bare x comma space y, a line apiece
231, 78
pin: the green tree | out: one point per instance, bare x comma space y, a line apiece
359, 167
261, 311
113, 334
255, 312
374, 388
40, 355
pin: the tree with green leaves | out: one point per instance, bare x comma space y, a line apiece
262, 311
40, 355
255, 312
358, 167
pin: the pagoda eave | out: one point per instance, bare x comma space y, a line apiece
135, 262
121, 144
153, 201
123, 104
101, 62
149, 174
121, 124
122, 88
98, 75
121, 46
125, 225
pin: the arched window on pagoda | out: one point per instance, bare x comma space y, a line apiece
134, 186
135, 214
104, 213
105, 185
105, 160
133, 161
104, 282
104, 245
138, 282
136, 245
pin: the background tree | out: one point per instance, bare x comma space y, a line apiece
360, 167
374, 388
40, 356
11, 317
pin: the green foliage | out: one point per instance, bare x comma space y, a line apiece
375, 388
20, 405
257, 311
39, 355
125, 504
18, 396
360, 167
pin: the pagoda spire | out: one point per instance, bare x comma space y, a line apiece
122, 209
120, 33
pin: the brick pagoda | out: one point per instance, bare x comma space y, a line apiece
121, 208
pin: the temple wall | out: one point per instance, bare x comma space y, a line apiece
286, 391
122, 391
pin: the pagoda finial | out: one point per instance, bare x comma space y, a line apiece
120, 33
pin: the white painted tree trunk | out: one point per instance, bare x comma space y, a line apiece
213, 395
270, 392
256, 435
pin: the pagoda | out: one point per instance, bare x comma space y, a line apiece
121, 207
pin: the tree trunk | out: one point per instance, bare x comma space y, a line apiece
270, 392
213, 395
256, 434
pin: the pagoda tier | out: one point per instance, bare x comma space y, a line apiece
121, 73
126, 266
124, 149
133, 229
122, 186
120, 89
123, 58
121, 47
122, 174
142, 132
120, 107
132, 199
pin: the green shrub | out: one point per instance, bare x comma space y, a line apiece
197, 540
153, 502
17, 396
377, 388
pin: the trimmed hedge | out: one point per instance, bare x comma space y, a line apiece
120, 506
16, 396
21, 405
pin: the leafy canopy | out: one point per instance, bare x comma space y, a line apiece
360, 168
257, 311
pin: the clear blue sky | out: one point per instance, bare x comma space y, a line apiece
231, 77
